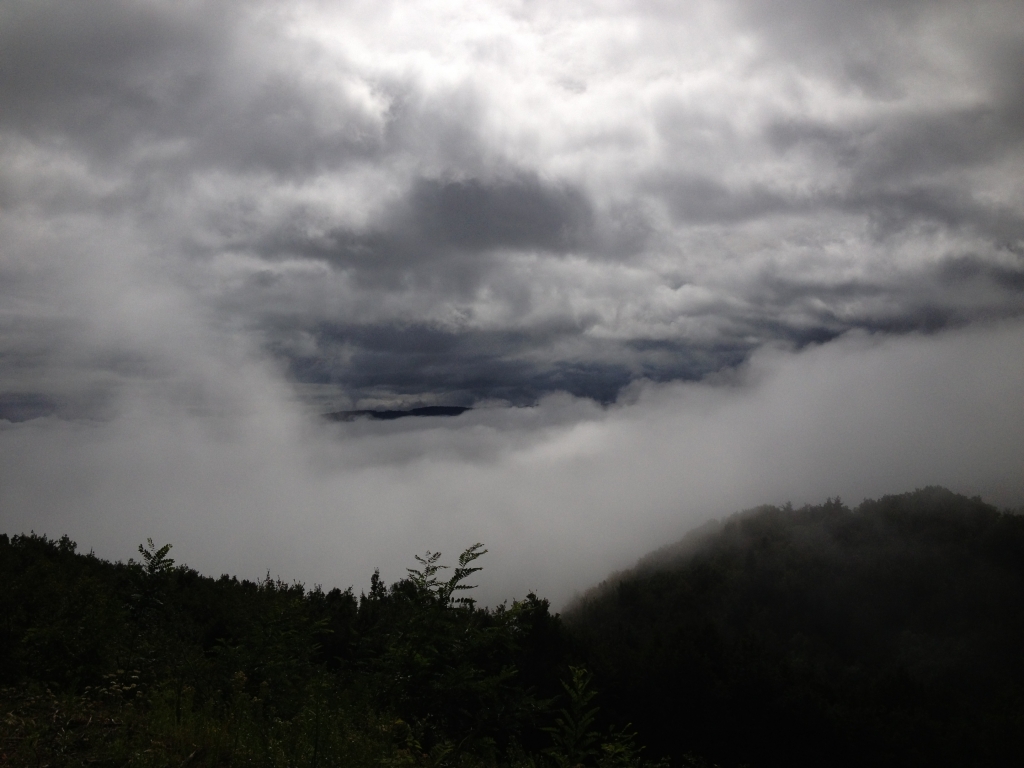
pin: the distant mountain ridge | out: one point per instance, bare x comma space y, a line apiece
390, 415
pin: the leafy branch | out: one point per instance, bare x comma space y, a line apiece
425, 578
155, 560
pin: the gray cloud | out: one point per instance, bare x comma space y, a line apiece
215, 210
517, 214
459, 222
105, 74
164, 89
519, 368
223, 135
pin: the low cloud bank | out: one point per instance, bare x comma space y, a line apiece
561, 493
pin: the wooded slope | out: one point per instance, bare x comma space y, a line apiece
890, 634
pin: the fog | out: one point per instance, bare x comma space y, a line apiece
680, 259
561, 493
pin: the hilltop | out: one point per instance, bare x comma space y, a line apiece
887, 634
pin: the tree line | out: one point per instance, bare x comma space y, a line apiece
149, 663
888, 634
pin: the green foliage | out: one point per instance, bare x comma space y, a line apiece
151, 664
576, 740
156, 560
426, 581
573, 734
888, 635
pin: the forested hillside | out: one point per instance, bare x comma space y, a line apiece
151, 664
889, 634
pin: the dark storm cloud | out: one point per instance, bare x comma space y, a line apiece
23, 406
519, 214
419, 206
438, 220
516, 367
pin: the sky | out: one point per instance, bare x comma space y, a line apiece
680, 258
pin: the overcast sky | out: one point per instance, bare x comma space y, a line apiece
682, 258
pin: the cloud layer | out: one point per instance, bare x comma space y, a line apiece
219, 219
413, 203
